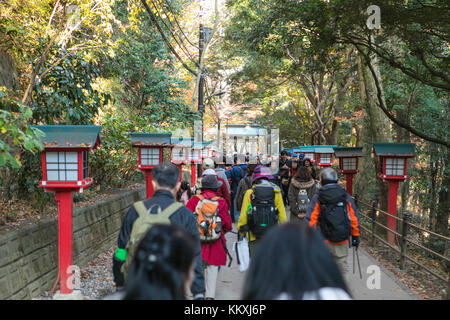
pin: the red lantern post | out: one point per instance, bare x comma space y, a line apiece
348, 164
324, 155
64, 171
180, 152
195, 158
393, 164
150, 147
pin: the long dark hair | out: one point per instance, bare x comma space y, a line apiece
292, 259
185, 186
303, 173
161, 264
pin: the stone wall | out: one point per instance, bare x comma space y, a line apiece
29, 254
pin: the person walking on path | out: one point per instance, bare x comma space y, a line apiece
265, 196
293, 263
244, 185
224, 190
163, 266
283, 175
214, 252
165, 183
236, 173
219, 167
308, 164
334, 213
301, 191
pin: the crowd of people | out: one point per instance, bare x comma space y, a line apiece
173, 245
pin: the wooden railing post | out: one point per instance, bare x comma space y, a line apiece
374, 219
403, 243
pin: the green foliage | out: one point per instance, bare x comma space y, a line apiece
65, 95
115, 162
14, 131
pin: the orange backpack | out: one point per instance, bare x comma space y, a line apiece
209, 222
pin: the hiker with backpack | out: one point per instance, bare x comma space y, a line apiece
163, 266
334, 213
213, 221
244, 185
236, 173
262, 207
301, 191
161, 208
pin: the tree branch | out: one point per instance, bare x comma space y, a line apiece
390, 116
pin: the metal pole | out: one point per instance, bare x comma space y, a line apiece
374, 219
406, 216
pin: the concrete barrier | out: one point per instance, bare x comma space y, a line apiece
29, 253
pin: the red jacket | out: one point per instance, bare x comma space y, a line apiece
214, 253
223, 192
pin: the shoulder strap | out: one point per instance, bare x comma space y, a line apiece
140, 208
167, 212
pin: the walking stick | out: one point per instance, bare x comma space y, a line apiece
353, 260
359, 266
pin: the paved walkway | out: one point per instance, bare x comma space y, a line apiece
230, 280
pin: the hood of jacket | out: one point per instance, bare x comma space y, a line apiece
264, 182
302, 184
332, 193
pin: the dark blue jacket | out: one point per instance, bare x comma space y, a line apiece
236, 173
182, 217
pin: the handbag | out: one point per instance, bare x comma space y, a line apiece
242, 254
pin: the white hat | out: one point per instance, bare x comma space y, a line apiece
208, 163
209, 172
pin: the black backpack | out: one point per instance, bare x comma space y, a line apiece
302, 201
263, 213
334, 221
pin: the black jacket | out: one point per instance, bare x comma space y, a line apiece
182, 217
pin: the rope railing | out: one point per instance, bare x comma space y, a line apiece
409, 223
402, 237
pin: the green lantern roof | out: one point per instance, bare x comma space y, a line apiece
305, 148
394, 149
70, 136
147, 139
348, 151
182, 142
324, 149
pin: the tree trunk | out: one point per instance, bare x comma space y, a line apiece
379, 125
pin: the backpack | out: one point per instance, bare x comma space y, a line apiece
262, 213
334, 221
209, 222
302, 201
143, 223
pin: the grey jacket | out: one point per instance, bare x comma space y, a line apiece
221, 174
294, 188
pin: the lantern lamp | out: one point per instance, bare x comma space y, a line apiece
180, 152
324, 155
65, 169
150, 151
393, 159
348, 163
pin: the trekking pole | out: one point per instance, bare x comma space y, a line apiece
353, 260
359, 266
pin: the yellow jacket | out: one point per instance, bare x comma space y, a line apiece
246, 202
